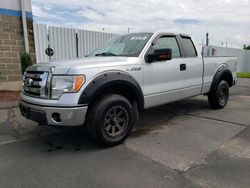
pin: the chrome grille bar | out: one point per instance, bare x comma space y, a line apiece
34, 84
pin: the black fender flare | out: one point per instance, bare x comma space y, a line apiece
109, 79
222, 70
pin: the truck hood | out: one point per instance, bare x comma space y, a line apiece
65, 66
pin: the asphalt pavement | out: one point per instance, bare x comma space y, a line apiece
182, 144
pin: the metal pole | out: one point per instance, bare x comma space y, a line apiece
49, 45
77, 52
207, 39
25, 31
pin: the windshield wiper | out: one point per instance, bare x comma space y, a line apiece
105, 54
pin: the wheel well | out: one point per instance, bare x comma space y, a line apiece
227, 76
124, 90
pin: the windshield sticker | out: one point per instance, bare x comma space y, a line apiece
138, 38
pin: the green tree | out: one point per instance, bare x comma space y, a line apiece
247, 47
26, 61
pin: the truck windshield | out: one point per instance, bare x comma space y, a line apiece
129, 45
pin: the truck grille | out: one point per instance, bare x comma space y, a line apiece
34, 84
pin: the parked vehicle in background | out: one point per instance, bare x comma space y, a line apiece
106, 90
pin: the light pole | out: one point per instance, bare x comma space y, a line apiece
207, 39
222, 43
129, 29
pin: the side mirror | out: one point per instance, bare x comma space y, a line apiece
159, 55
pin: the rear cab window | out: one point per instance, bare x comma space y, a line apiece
188, 45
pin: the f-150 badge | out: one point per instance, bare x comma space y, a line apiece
134, 69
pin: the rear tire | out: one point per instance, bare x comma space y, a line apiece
111, 119
218, 98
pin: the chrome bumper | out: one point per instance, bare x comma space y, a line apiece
55, 116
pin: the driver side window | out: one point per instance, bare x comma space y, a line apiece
168, 42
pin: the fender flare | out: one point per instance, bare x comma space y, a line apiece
109, 79
222, 70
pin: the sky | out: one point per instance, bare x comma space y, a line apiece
226, 21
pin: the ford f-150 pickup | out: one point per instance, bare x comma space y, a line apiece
106, 90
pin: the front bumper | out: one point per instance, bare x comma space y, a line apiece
235, 81
54, 116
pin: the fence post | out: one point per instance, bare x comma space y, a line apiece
77, 52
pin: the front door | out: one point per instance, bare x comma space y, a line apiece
165, 81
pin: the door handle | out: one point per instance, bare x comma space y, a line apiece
183, 67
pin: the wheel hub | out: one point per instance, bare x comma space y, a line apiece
223, 96
116, 121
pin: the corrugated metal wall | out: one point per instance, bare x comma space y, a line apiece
64, 42
41, 42
90, 40
242, 55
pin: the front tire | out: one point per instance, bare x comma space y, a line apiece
112, 119
219, 97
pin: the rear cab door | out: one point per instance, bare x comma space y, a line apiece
194, 65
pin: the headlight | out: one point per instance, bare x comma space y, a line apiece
66, 84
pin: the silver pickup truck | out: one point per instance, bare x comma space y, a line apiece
106, 90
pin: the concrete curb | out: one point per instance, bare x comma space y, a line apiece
9, 104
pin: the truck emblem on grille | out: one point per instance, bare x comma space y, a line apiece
28, 82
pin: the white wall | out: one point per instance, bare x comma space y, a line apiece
63, 42
15, 5
247, 58
41, 42
243, 56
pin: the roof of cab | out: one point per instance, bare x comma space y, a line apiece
170, 33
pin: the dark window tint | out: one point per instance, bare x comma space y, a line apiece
168, 42
189, 47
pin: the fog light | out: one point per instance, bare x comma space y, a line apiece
56, 117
